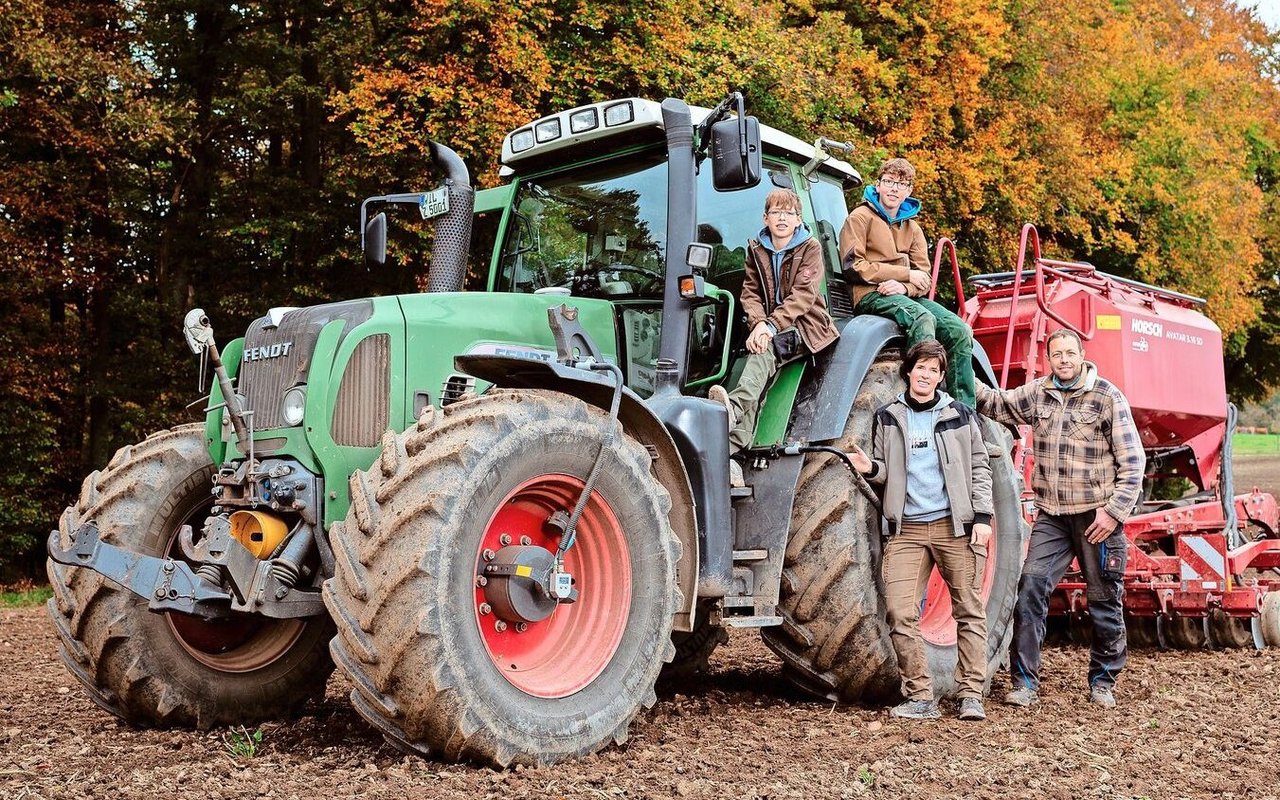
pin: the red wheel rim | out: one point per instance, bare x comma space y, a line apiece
936, 625
242, 643
563, 653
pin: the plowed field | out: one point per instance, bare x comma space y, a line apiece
1190, 724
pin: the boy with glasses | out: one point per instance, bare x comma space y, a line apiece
783, 301
886, 261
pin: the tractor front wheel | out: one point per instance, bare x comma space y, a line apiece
172, 669
453, 648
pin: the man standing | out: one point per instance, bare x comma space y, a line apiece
886, 262
1088, 478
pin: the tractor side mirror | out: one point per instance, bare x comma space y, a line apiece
735, 154
375, 240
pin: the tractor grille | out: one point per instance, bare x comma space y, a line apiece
840, 302
267, 370
455, 386
363, 409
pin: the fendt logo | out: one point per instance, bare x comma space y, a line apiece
1147, 328
267, 351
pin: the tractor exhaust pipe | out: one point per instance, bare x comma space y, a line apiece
448, 269
682, 213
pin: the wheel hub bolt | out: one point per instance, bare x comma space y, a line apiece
505, 539
482, 581
488, 554
526, 541
499, 626
521, 627
485, 608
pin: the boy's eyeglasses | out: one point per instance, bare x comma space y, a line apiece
889, 183
776, 214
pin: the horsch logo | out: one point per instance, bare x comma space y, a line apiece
1147, 327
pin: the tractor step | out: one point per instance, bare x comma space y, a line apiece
737, 493
740, 556
761, 621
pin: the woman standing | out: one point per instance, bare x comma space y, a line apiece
929, 462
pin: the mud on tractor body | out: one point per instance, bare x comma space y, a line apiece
502, 512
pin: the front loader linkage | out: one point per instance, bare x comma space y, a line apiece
171, 585
167, 585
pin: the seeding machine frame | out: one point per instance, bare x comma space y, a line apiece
1201, 571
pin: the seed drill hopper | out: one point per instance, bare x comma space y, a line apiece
1204, 567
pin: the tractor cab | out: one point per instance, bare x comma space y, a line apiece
584, 216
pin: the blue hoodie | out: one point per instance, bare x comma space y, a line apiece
798, 238
909, 208
926, 487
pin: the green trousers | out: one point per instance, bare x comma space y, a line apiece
746, 396
923, 319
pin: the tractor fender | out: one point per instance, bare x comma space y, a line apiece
637, 420
823, 405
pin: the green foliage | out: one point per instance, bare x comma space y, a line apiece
240, 743
24, 595
865, 776
1255, 444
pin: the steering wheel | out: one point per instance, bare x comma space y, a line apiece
653, 279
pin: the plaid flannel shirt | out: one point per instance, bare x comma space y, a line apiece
1087, 450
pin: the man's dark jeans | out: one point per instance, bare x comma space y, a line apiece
1054, 541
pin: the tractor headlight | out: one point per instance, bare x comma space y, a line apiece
294, 405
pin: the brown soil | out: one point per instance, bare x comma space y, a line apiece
1190, 724
1260, 471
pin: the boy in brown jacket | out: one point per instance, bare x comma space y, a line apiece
886, 263
782, 293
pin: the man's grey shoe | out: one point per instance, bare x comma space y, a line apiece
971, 708
720, 395
1102, 695
1024, 696
917, 709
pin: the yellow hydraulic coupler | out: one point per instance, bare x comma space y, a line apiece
259, 532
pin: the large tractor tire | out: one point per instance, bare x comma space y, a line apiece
172, 669
834, 641
436, 667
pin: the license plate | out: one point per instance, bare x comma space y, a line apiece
434, 203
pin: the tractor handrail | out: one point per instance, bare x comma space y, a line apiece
945, 243
1062, 268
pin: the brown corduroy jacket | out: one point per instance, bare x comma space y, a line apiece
872, 251
802, 306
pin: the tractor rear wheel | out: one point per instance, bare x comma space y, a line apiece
443, 659
834, 641
172, 669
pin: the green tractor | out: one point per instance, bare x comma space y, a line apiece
502, 507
